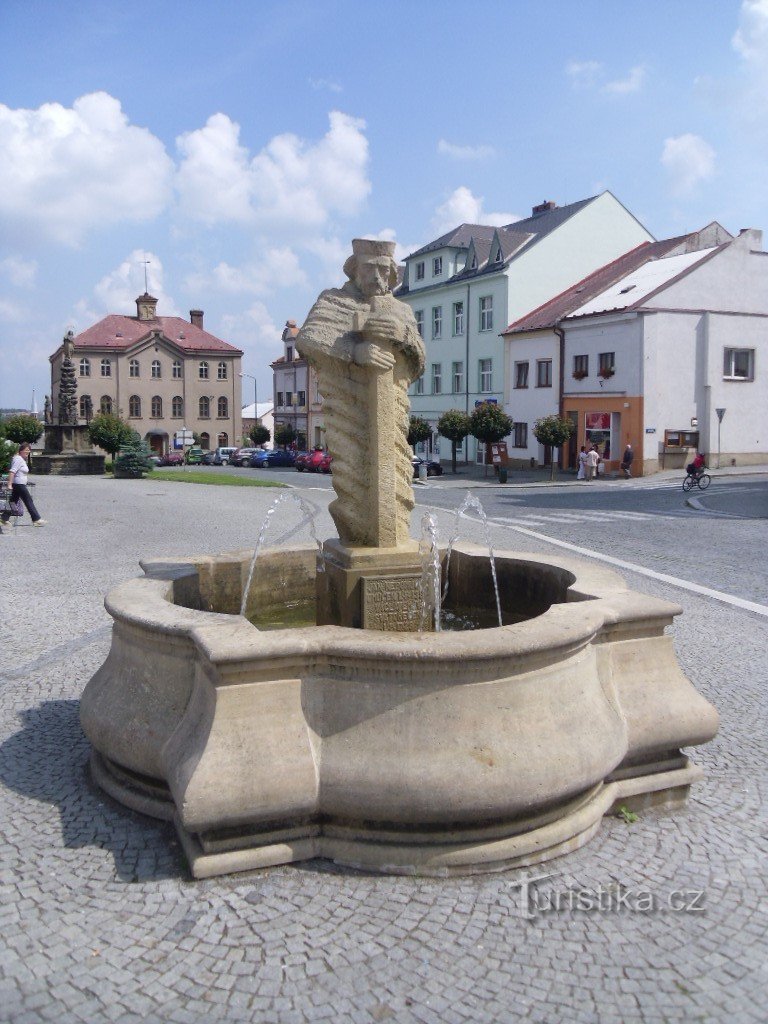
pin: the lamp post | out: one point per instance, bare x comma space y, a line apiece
255, 396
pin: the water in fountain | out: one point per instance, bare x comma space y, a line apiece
430, 572
470, 501
310, 517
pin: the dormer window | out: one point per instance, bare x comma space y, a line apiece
420, 271
497, 257
473, 264
437, 266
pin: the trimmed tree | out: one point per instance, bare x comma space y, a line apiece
23, 428
418, 430
132, 461
489, 424
110, 432
259, 434
455, 425
284, 434
553, 431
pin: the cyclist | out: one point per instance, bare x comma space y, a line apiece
697, 467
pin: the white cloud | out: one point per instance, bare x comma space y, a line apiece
12, 312
254, 326
632, 83
324, 84
583, 74
464, 152
118, 290
278, 268
67, 171
688, 160
464, 207
289, 183
751, 37
21, 273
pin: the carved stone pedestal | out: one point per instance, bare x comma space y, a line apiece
371, 588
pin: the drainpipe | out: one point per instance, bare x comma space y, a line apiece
561, 387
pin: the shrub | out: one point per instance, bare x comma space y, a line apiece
418, 430
133, 459
110, 432
553, 431
284, 434
23, 427
259, 434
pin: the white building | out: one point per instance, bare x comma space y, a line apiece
466, 285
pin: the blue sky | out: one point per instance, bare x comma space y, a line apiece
239, 146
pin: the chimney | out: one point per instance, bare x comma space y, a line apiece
196, 318
146, 307
544, 207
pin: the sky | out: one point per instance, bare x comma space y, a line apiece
238, 147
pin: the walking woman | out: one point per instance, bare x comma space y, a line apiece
17, 481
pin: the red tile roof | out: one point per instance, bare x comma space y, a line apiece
123, 332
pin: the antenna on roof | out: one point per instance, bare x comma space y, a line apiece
146, 287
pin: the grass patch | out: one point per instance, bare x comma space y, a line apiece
192, 476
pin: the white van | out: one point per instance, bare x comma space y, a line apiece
222, 456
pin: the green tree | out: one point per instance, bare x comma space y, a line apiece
23, 427
454, 425
109, 432
259, 434
489, 424
553, 431
284, 434
7, 449
418, 430
132, 461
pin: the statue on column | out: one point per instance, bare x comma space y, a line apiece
68, 384
366, 350
47, 415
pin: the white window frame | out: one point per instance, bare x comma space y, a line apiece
418, 387
486, 312
730, 357
157, 369
202, 370
419, 317
204, 407
457, 377
85, 367
437, 266
485, 376
437, 378
420, 270
437, 322
178, 370
458, 318
156, 403
177, 407
221, 370
522, 370
106, 367
544, 369
222, 403
134, 368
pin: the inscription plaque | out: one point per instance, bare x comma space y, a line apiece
392, 602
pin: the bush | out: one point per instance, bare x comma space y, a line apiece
489, 423
133, 459
259, 434
418, 430
23, 428
110, 432
284, 434
553, 431
455, 426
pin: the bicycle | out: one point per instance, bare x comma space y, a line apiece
701, 480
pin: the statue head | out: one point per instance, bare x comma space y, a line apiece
372, 266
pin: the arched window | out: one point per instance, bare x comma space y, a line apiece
222, 409
177, 406
177, 371
156, 369
205, 408
84, 403
157, 407
203, 370
205, 442
133, 368
221, 372
223, 439
106, 367
134, 407
85, 367
105, 405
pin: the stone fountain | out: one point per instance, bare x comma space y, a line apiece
359, 738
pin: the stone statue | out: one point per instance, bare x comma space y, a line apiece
68, 385
366, 350
47, 416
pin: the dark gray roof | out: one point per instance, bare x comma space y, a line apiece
458, 238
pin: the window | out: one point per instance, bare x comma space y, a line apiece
222, 408
205, 442
486, 375
419, 386
279, 400
302, 397
85, 368
134, 407
221, 371
105, 405
437, 321
419, 315
133, 368
458, 318
497, 257
85, 406
606, 364
157, 407
486, 313
204, 408
289, 398
473, 264
202, 370
420, 271
106, 367
289, 354
580, 367
739, 363
521, 375
177, 371
681, 439
177, 407
520, 435
437, 266
157, 371
457, 373
543, 373
437, 378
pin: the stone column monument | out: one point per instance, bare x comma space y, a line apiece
366, 349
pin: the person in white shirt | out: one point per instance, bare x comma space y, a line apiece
593, 458
17, 481
582, 474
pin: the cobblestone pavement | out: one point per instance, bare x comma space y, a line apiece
101, 922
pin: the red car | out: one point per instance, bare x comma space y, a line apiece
172, 459
315, 461
325, 465
300, 462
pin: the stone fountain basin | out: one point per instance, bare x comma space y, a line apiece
403, 752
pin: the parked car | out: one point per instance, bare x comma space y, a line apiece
433, 468
172, 458
325, 465
315, 460
222, 456
300, 462
278, 457
242, 456
194, 456
155, 459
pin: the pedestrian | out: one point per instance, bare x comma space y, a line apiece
626, 462
581, 475
593, 458
17, 482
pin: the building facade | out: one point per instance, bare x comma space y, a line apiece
465, 286
297, 400
162, 374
